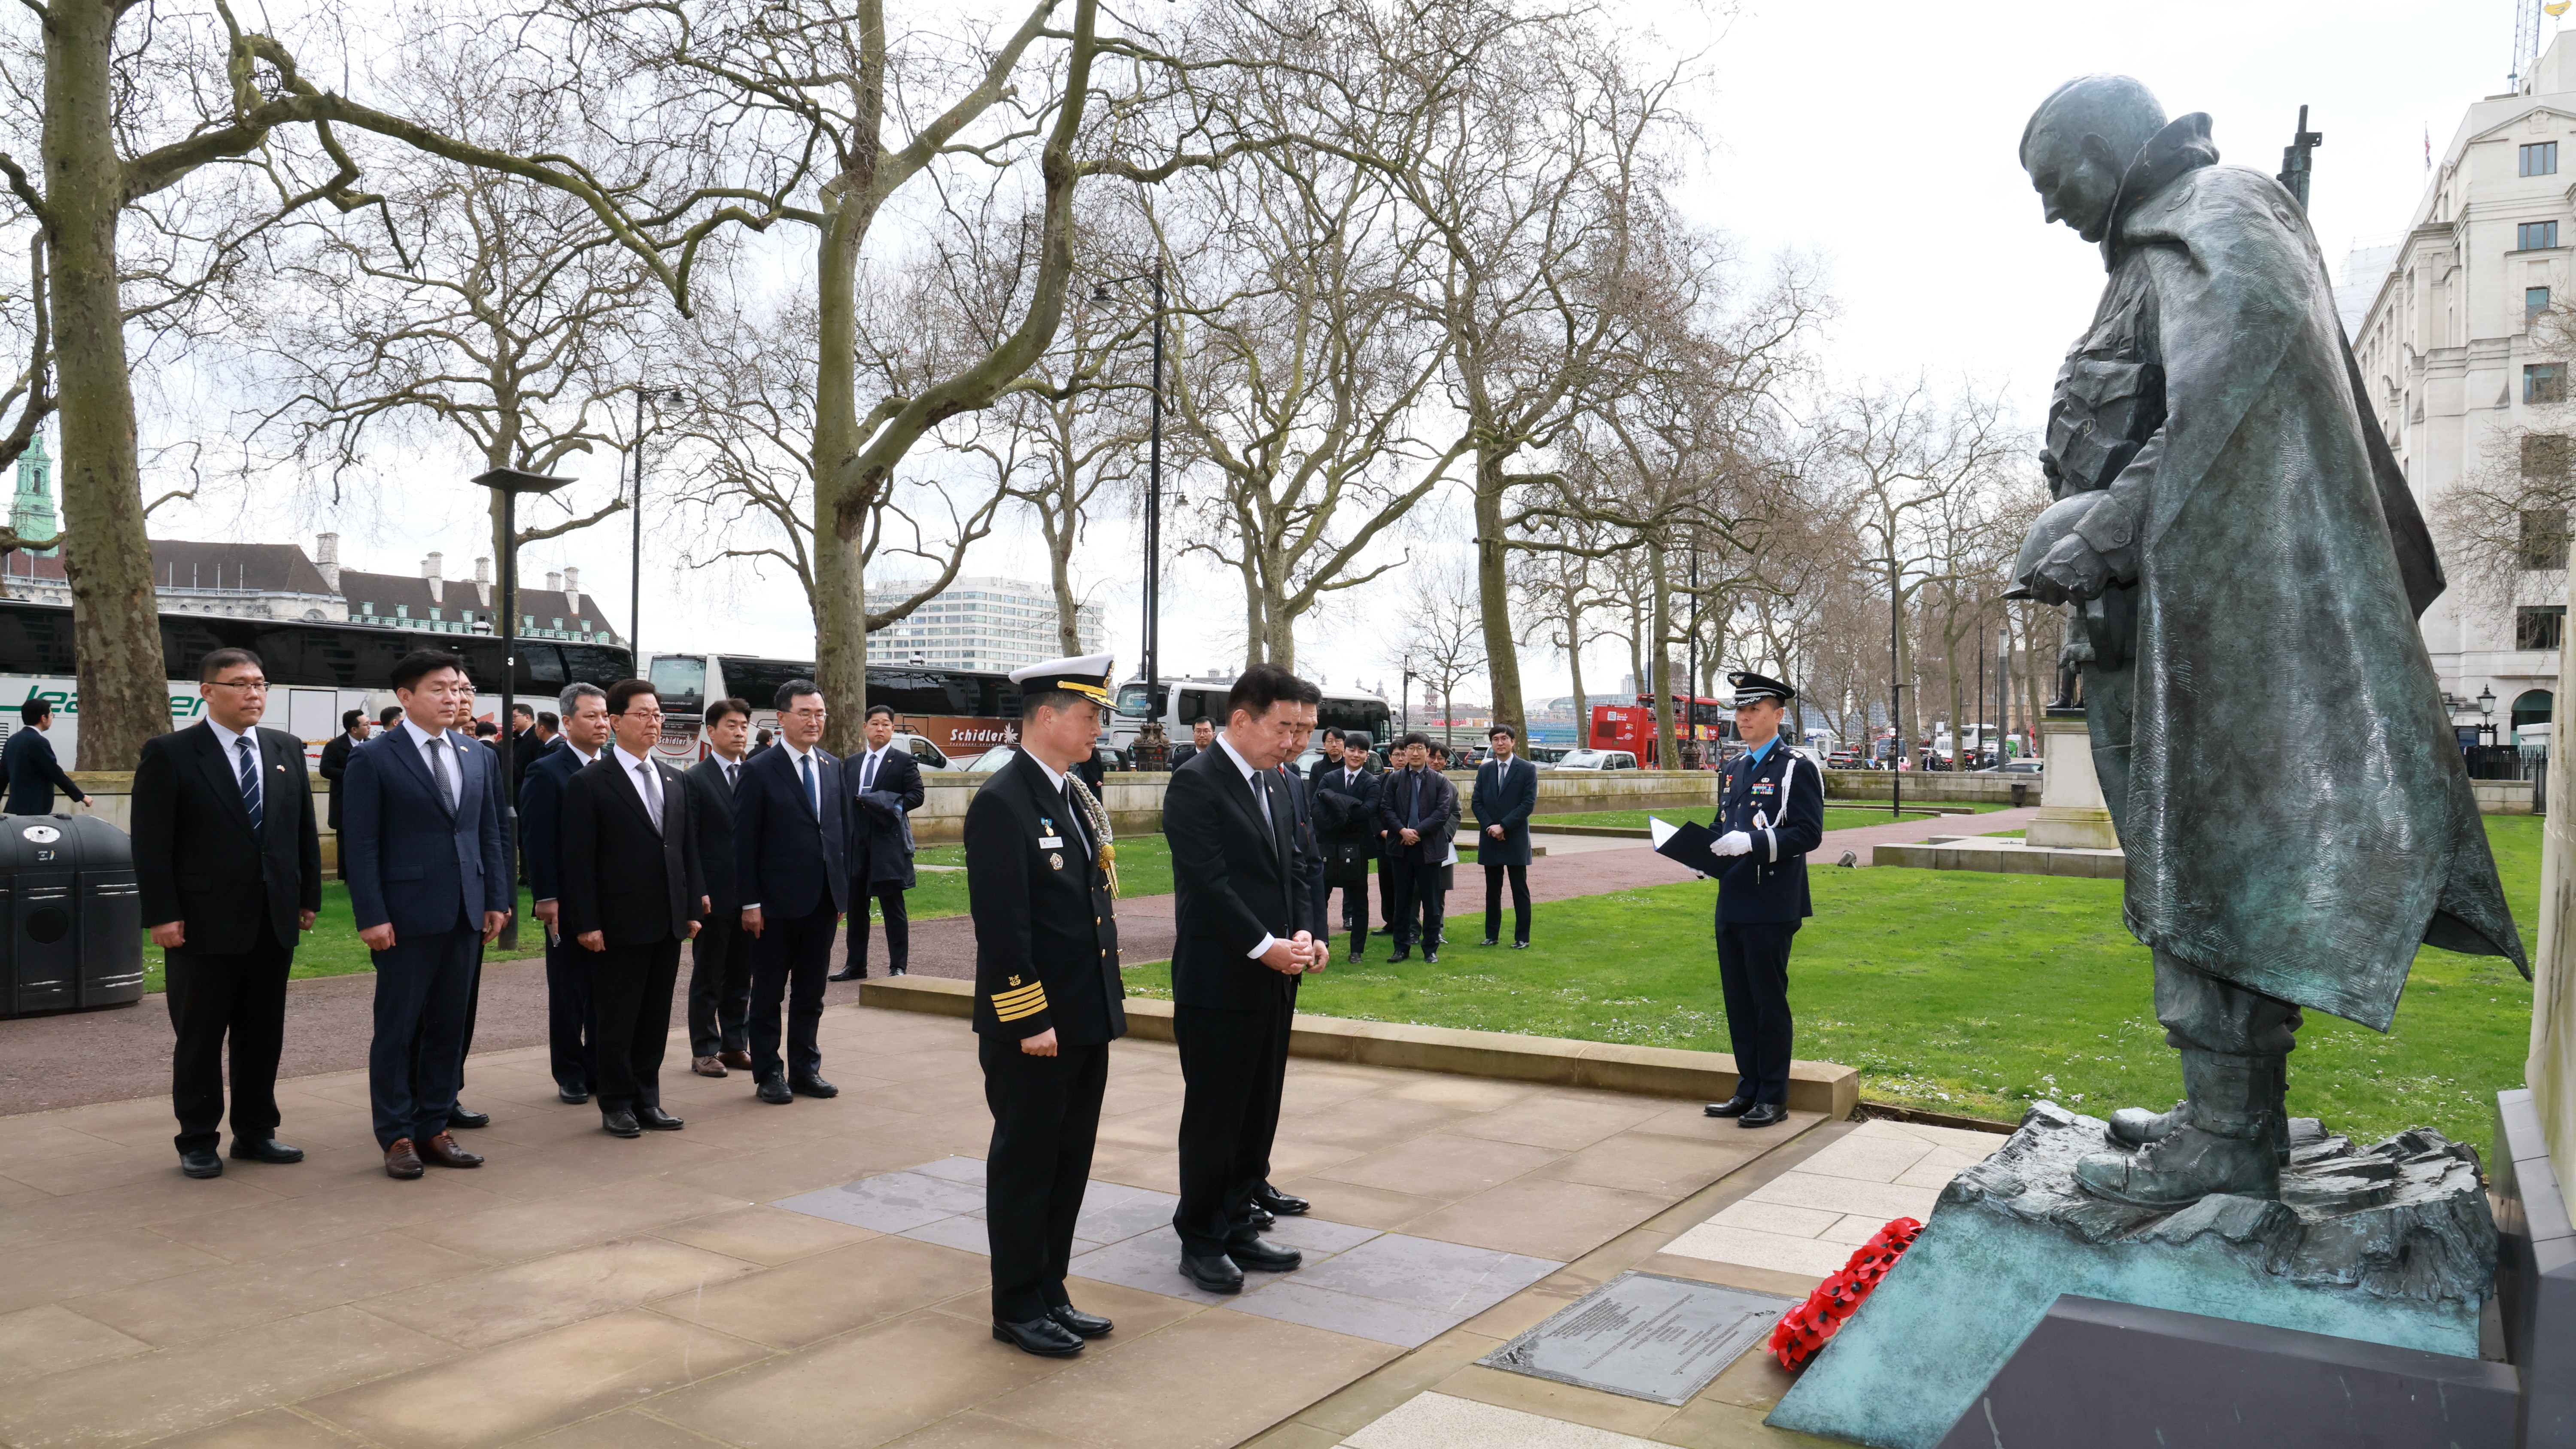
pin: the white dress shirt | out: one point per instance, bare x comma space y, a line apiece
1262, 798
868, 764
636, 768
429, 745
796, 767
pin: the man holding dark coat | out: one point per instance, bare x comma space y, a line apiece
229, 867
1506, 793
885, 786
632, 892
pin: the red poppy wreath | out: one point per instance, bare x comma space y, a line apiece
1803, 1331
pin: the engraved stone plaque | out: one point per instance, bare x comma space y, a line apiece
1644, 1335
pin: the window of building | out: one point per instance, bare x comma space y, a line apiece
435, 613
2535, 300
2531, 708
2544, 538
2532, 236
366, 607
559, 623
2544, 382
2537, 626
403, 611
2540, 159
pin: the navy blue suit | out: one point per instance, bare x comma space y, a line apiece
1780, 803
881, 851
1505, 795
33, 774
791, 858
431, 870
572, 1018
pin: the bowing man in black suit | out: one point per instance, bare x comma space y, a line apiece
632, 892
229, 866
720, 956
1242, 906
1047, 996
791, 838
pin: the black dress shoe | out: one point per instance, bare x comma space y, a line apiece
1398, 956
264, 1149
1262, 1220
654, 1119
1041, 1336
620, 1123
859, 974
461, 1115
1216, 1275
773, 1090
201, 1162
1264, 1255
1430, 958
812, 1086
1763, 1114
1082, 1325
1493, 940
1520, 945
1271, 1199
903, 971
573, 1096
1731, 1107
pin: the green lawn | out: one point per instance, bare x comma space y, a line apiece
1144, 869
1959, 991
1837, 817
332, 947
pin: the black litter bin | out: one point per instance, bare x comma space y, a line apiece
74, 914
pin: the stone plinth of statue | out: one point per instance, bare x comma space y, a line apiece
2071, 813
2392, 1244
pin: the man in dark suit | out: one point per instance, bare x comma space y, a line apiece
28, 760
388, 717
428, 879
1417, 807
1346, 819
633, 892
525, 744
1506, 793
354, 729
572, 1022
791, 837
229, 866
885, 788
720, 956
1241, 907
1202, 735
1047, 997
1333, 747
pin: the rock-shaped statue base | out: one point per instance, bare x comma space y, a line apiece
2393, 1244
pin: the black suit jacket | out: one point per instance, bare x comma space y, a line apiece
195, 858
711, 815
1424, 802
335, 764
541, 820
1235, 880
882, 848
1046, 930
786, 861
1183, 754
622, 877
34, 776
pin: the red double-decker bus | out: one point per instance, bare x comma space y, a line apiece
1631, 727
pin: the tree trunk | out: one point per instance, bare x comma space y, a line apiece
1666, 756
1494, 593
1068, 612
840, 585
124, 697
1574, 666
1282, 631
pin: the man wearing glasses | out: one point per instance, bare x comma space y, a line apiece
229, 866
428, 879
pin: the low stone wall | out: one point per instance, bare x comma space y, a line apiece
1932, 787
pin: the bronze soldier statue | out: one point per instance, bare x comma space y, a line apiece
2236, 539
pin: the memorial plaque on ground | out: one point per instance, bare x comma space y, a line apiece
1645, 1336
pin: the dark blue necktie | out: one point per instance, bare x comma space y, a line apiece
813, 797
249, 781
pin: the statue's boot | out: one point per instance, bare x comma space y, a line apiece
2226, 1136
2136, 1126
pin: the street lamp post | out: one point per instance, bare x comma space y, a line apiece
2486, 706
635, 580
1152, 749
510, 483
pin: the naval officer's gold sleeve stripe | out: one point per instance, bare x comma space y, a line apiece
1019, 1009
1034, 989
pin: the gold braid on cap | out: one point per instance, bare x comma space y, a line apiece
1098, 820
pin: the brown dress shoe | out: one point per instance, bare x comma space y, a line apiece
739, 1061
707, 1067
401, 1161
442, 1151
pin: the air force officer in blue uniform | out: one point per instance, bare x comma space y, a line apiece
1774, 814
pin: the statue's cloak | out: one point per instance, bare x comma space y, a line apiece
2270, 733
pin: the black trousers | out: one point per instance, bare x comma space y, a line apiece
1753, 967
1519, 875
236, 995
720, 987
1046, 1114
898, 927
1355, 909
413, 1062
1233, 1065
789, 962
572, 1018
1418, 902
630, 987
1386, 891
473, 1000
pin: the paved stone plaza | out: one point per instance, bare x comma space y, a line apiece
744, 1283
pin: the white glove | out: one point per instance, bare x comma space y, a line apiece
1733, 842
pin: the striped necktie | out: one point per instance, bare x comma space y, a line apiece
249, 781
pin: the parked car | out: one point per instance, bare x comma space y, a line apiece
992, 760
2024, 767
1597, 760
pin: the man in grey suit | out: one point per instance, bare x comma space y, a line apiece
428, 878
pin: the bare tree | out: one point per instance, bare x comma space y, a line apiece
1560, 594
1446, 646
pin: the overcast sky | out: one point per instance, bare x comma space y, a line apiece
1881, 136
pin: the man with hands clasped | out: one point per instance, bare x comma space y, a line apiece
1774, 814
1240, 900
1047, 997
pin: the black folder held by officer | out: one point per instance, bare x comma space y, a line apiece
1040, 882
1774, 813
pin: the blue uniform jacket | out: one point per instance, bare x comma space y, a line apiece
1780, 802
